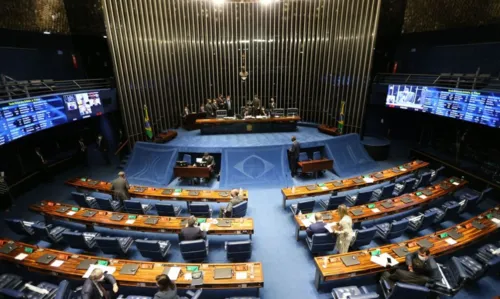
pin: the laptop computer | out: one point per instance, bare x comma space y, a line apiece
358, 181
193, 193
350, 260
63, 209
406, 200
7, 248
89, 213
46, 259
427, 192
379, 175
356, 212
167, 192
224, 194
401, 251
477, 224
311, 187
395, 170
117, 217
455, 234
224, 223
223, 273
199, 160
151, 220
327, 216
139, 189
425, 243
387, 204
338, 184
85, 264
129, 269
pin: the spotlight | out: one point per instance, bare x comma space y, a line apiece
46, 32
267, 1
219, 2
105, 36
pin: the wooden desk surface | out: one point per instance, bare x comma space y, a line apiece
335, 268
145, 276
191, 171
349, 184
316, 165
328, 130
447, 186
239, 226
156, 193
215, 121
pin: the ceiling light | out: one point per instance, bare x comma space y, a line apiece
104, 36
218, 2
267, 1
46, 32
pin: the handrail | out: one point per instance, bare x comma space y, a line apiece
121, 147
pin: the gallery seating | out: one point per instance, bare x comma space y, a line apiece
320, 243
136, 207
166, 209
304, 207
49, 232
20, 226
153, 249
239, 250
196, 250
114, 245
79, 240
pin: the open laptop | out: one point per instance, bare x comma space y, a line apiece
223, 273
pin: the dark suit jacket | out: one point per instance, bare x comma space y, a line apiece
210, 111
191, 233
256, 103
120, 188
428, 268
295, 149
316, 228
90, 290
103, 145
210, 160
234, 201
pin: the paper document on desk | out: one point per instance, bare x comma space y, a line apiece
496, 221
21, 256
423, 196
376, 210
382, 260
105, 269
241, 275
173, 273
329, 226
306, 222
450, 241
71, 213
368, 180
205, 226
57, 263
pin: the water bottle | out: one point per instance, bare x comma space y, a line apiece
293, 189
325, 259
251, 271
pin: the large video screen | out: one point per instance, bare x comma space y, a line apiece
27, 116
481, 107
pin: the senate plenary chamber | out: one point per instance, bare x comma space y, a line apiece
249, 149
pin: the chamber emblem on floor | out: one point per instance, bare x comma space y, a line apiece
254, 166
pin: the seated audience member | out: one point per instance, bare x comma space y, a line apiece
166, 288
318, 227
422, 269
236, 198
93, 288
191, 232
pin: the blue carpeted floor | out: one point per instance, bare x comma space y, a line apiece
288, 264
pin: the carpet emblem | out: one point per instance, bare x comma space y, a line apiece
254, 167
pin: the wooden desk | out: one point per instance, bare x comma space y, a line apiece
145, 275
189, 121
248, 125
447, 186
157, 193
191, 172
328, 130
348, 184
165, 137
173, 225
316, 165
336, 270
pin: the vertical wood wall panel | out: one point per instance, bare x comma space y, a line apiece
309, 54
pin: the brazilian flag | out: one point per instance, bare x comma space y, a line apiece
340, 126
147, 125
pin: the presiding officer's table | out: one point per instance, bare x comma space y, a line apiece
144, 223
332, 267
316, 165
248, 125
243, 276
389, 206
157, 193
390, 174
191, 172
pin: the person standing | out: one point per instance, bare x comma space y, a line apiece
44, 164
5, 195
236, 198
102, 146
166, 288
120, 187
93, 287
209, 109
294, 152
82, 152
229, 106
343, 230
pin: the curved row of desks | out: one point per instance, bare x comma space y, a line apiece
145, 223
26, 255
157, 193
332, 267
390, 174
389, 206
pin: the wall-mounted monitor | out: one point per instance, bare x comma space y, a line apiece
481, 107
27, 116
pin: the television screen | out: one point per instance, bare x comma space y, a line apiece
23, 117
474, 106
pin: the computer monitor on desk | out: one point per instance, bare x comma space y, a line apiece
201, 164
292, 112
199, 160
278, 112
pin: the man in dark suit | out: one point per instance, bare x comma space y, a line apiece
236, 198
317, 227
120, 187
209, 109
293, 154
43, 164
92, 287
191, 232
102, 146
229, 106
82, 152
256, 105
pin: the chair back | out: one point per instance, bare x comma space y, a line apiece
364, 236
455, 273
363, 197
41, 231
149, 248
240, 210
239, 251
306, 206
10, 281
165, 209
451, 209
79, 198
387, 191
486, 192
409, 185
428, 219
335, 201
199, 209
408, 291
133, 206
303, 156
397, 228
75, 239
425, 179
187, 158
193, 250
437, 173
493, 266
316, 155
64, 290
104, 203
322, 243
110, 245
19, 227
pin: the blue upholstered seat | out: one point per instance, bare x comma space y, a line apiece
166, 209
421, 221
364, 236
113, 245
435, 174
305, 207
303, 157
136, 207
320, 243
359, 199
83, 200
200, 210
239, 210
10, 281
153, 249
472, 197
51, 288
316, 155
353, 292
76, 239
424, 180
485, 253
187, 158
386, 191
194, 250
449, 208
473, 268
20, 226
239, 251
403, 290
64, 291
109, 204
333, 202
406, 186
48, 232
387, 231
